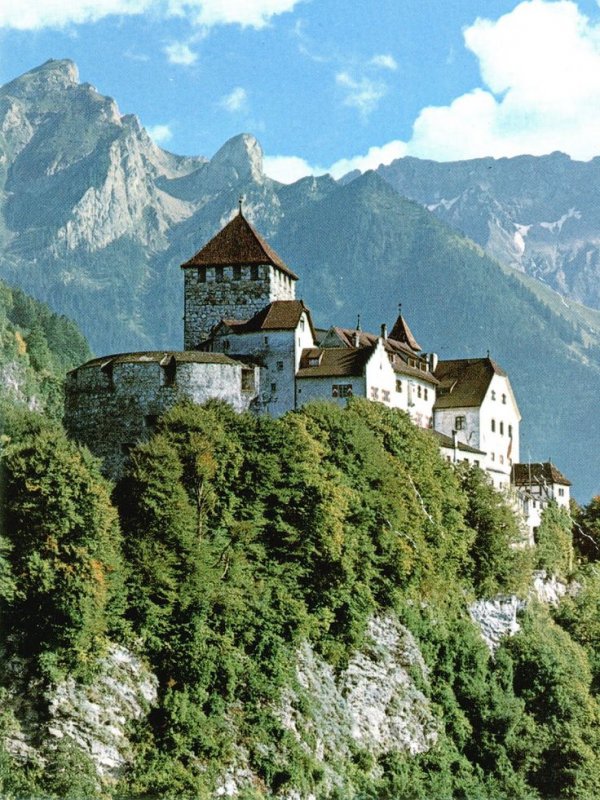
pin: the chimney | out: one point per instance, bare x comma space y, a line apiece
455, 445
384, 331
356, 338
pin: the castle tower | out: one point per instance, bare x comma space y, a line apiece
232, 277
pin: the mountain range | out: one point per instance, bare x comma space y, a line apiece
95, 219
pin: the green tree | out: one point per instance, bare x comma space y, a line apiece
64, 547
554, 541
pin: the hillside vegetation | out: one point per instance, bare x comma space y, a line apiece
236, 556
37, 347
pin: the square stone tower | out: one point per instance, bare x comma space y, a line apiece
232, 277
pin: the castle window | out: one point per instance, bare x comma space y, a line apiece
237, 273
341, 390
385, 395
254, 272
279, 366
202, 275
226, 344
374, 393
502, 429
425, 393
301, 323
266, 340
314, 361
501, 458
460, 423
219, 274
398, 385
493, 394
493, 426
476, 463
492, 456
419, 391
561, 492
247, 380
510, 431
273, 388
504, 399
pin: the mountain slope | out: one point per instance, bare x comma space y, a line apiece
540, 215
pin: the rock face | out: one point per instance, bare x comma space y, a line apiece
537, 214
375, 706
94, 717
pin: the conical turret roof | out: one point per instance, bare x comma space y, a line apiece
237, 244
402, 333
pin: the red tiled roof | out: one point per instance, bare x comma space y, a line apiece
464, 381
402, 333
280, 315
237, 244
539, 473
334, 362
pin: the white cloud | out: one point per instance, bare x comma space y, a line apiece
371, 160
288, 169
248, 13
384, 61
362, 93
159, 133
180, 53
540, 65
36, 14
236, 100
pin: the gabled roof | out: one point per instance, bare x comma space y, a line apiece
402, 333
237, 244
464, 381
334, 362
538, 473
279, 315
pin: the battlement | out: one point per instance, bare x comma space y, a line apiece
111, 403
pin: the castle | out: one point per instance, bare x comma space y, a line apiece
248, 341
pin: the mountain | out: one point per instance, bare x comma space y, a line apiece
540, 215
96, 219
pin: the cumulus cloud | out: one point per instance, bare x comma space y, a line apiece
384, 61
180, 53
36, 14
159, 133
236, 100
370, 160
288, 169
363, 93
540, 65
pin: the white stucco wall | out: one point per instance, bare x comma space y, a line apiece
308, 389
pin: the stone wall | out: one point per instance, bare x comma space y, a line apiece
111, 405
229, 294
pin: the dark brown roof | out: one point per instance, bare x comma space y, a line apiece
402, 333
335, 362
401, 368
162, 357
237, 244
464, 382
448, 441
539, 473
280, 315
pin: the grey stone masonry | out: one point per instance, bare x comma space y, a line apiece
229, 292
113, 403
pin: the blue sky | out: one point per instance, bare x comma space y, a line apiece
328, 84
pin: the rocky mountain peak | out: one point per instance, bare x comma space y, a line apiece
51, 76
241, 157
